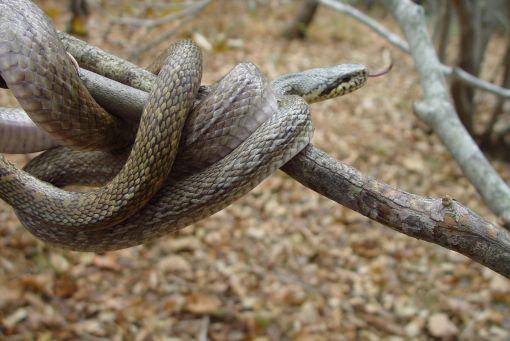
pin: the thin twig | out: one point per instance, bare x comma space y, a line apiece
371, 23
185, 15
164, 5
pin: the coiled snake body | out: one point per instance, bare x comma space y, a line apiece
138, 200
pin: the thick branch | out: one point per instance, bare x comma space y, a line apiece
440, 221
402, 45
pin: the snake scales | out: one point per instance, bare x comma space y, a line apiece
138, 200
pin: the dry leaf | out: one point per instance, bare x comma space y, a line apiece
202, 304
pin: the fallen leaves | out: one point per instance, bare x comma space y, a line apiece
198, 303
11, 320
174, 264
107, 262
440, 326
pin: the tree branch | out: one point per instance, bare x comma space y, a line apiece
440, 221
107, 64
371, 23
403, 46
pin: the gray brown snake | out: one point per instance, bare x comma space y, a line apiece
141, 197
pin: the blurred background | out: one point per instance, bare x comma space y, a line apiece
284, 263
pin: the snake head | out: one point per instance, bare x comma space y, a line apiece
319, 84
340, 80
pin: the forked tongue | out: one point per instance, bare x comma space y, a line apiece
382, 72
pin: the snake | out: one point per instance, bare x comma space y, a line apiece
141, 196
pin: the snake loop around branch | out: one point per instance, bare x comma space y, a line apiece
181, 200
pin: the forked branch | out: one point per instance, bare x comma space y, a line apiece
437, 110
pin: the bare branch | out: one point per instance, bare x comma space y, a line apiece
438, 111
402, 45
440, 221
468, 78
136, 52
371, 23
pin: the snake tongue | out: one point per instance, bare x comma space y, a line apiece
382, 72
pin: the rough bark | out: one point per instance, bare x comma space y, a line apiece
441, 221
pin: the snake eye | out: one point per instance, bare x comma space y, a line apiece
345, 79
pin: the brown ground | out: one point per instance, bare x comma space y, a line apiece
283, 263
